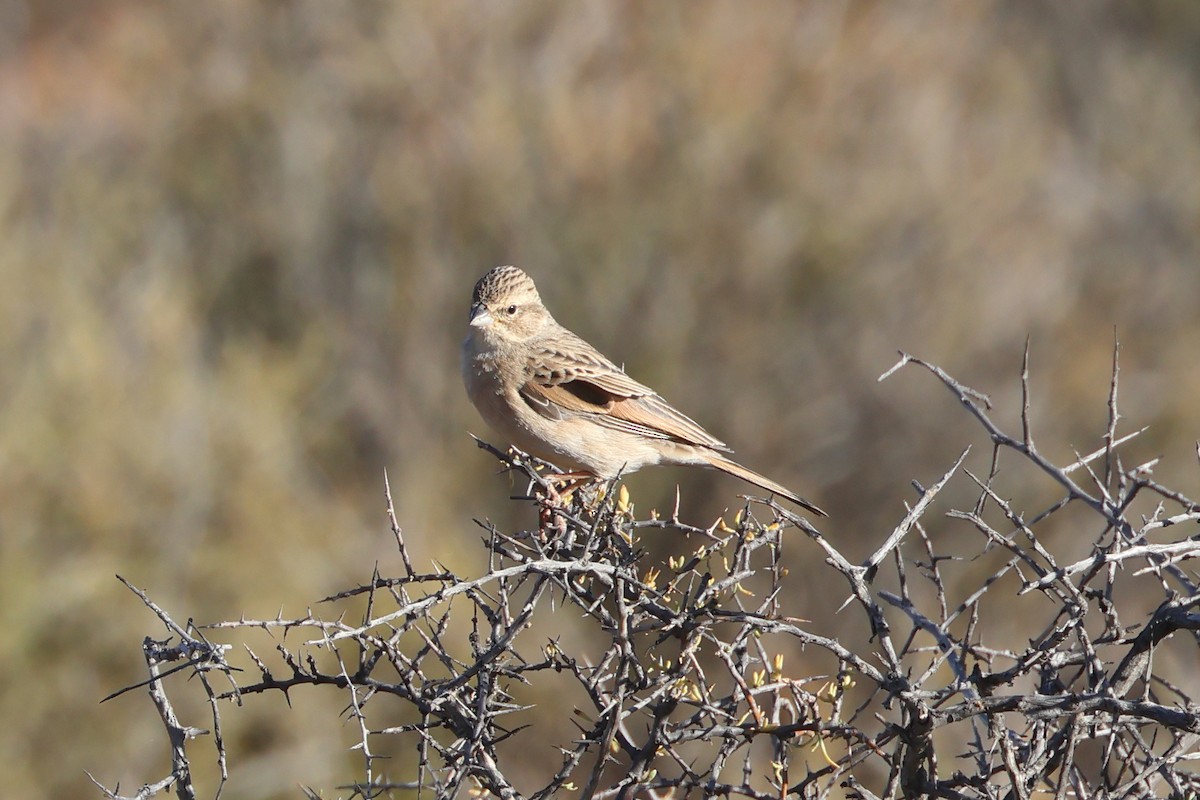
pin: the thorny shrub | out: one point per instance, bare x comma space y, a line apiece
684, 689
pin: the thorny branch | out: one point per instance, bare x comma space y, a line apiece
996, 666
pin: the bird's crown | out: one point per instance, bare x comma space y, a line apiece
503, 282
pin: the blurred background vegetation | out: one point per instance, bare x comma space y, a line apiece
239, 240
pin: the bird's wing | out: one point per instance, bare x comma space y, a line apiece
570, 377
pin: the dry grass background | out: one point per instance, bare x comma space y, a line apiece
238, 242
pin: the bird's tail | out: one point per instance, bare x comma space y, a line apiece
717, 461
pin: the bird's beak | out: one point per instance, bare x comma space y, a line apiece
480, 316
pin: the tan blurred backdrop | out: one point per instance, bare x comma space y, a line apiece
237, 242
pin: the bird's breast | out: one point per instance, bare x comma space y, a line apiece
489, 386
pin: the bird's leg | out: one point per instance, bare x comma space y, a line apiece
556, 497
546, 516
570, 482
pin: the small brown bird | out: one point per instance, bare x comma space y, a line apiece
554, 395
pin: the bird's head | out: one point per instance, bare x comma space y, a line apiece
506, 306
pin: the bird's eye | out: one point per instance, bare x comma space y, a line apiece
511, 310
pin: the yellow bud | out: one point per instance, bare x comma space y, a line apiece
623, 499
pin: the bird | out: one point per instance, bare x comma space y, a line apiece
555, 396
